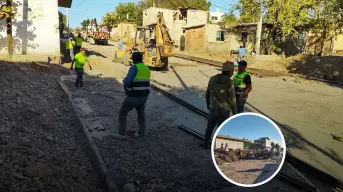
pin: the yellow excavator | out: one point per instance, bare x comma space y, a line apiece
154, 42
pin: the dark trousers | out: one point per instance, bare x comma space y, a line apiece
216, 117
240, 104
77, 49
79, 77
126, 107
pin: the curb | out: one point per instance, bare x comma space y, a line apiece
100, 163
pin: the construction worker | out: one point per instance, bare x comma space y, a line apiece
80, 59
70, 48
241, 53
78, 43
120, 44
220, 99
136, 85
243, 85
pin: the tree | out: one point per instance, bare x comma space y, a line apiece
109, 19
277, 147
327, 20
141, 5
272, 149
229, 21
249, 10
176, 4
84, 24
126, 12
62, 23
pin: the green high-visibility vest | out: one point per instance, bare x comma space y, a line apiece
78, 41
68, 44
141, 82
240, 86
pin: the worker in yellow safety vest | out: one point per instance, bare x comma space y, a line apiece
243, 85
80, 59
136, 85
78, 43
70, 48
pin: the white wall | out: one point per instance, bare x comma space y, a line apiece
216, 14
196, 17
175, 28
38, 33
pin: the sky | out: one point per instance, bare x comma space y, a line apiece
251, 127
86, 9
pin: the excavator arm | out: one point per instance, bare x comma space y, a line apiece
164, 43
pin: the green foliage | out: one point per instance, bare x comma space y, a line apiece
176, 4
109, 19
230, 20
62, 22
84, 24
141, 5
249, 10
327, 18
126, 12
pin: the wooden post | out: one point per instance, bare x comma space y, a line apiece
9, 33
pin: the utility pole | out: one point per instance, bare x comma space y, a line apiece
9, 31
259, 30
67, 16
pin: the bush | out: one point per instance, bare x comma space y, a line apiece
278, 50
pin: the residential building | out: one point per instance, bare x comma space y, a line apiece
264, 142
227, 142
35, 29
216, 16
175, 20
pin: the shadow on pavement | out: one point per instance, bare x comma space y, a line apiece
250, 170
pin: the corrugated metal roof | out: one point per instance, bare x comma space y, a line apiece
232, 138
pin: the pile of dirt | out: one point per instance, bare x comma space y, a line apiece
326, 67
41, 143
225, 156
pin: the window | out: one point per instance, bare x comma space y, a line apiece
215, 18
220, 36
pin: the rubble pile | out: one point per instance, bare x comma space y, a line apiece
222, 156
41, 143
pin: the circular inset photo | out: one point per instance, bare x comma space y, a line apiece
248, 149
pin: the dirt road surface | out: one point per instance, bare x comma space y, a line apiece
308, 112
297, 106
42, 147
247, 171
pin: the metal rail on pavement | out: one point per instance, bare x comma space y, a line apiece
301, 165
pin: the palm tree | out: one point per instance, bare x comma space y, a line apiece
277, 146
272, 149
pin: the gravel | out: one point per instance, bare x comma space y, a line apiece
167, 159
42, 147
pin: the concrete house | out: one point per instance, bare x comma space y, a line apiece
264, 142
216, 16
176, 20
35, 29
227, 142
